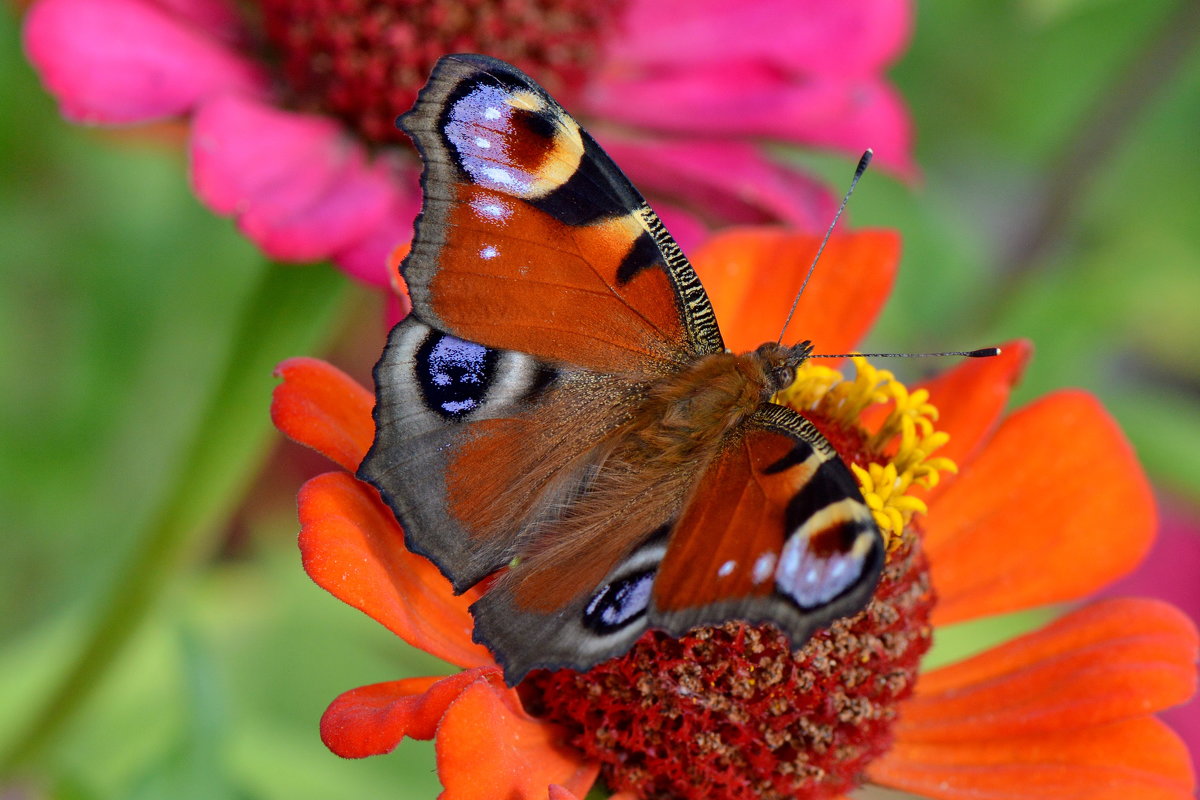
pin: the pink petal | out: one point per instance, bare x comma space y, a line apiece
844, 113
121, 61
729, 182
801, 35
367, 258
872, 112
299, 187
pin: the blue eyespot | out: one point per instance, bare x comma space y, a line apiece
619, 603
454, 374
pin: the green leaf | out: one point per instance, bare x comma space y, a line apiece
192, 767
285, 315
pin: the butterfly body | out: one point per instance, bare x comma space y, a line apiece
686, 417
559, 415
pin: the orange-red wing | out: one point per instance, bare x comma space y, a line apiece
531, 239
776, 531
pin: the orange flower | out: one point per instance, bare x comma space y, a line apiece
1050, 506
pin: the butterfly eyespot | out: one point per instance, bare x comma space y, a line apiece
817, 567
536, 123
619, 603
454, 374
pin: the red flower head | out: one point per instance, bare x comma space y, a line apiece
290, 103
1050, 505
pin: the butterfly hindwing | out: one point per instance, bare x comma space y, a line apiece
599, 619
799, 547
531, 239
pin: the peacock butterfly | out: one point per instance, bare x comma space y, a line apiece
559, 415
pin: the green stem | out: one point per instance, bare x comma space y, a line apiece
1096, 139
290, 309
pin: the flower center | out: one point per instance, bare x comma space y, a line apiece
731, 712
365, 60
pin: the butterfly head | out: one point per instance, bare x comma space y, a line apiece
780, 364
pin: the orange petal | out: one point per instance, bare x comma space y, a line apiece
399, 303
322, 407
1107, 662
395, 259
353, 548
752, 276
1138, 759
372, 720
490, 749
971, 397
1054, 507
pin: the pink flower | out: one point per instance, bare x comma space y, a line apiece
290, 102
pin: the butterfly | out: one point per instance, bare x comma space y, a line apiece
559, 419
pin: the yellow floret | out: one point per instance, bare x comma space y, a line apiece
903, 442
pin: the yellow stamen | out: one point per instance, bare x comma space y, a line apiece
900, 447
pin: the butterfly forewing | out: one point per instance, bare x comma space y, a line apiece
531, 239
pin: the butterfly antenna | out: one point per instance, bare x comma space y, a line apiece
983, 352
858, 173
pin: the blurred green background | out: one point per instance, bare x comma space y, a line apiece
1060, 201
